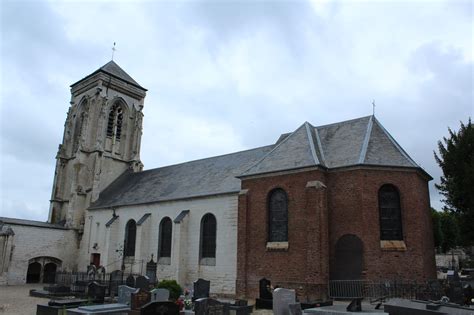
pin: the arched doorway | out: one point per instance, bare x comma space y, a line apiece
33, 275
49, 273
348, 263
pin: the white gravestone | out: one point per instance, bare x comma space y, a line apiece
282, 298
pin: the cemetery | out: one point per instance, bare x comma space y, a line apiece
133, 294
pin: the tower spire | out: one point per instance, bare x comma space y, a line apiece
113, 51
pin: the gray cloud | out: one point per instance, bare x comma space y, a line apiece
229, 76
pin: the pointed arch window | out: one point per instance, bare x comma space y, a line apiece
130, 237
208, 236
164, 248
277, 216
390, 213
114, 125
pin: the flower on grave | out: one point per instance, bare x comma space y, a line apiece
188, 304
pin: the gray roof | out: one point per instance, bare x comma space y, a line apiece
13, 221
114, 69
211, 176
361, 141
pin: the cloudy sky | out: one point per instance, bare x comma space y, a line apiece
225, 76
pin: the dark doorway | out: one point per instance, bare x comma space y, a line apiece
348, 263
49, 273
95, 260
33, 274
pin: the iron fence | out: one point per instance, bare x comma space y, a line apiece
350, 289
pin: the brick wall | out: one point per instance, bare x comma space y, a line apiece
317, 218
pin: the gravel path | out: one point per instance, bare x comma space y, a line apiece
15, 300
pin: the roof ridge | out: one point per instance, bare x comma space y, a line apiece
395, 143
341, 122
320, 146
203, 159
270, 152
365, 143
311, 142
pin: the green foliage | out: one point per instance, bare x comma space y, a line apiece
450, 229
456, 159
174, 288
437, 232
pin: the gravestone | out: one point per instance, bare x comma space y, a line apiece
265, 299
91, 271
130, 281
96, 292
116, 279
151, 270
295, 309
125, 294
142, 282
139, 298
109, 309
282, 298
207, 306
160, 308
160, 295
201, 289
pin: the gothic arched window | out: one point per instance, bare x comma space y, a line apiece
390, 213
164, 249
130, 236
277, 216
208, 236
114, 125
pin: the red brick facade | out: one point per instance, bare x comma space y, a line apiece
322, 207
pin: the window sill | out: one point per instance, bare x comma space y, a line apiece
277, 246
208, 261
396, 246
164, 261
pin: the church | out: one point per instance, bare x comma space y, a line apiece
333, 202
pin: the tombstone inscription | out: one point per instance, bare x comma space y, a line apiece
282, 298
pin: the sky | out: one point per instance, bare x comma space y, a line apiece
225, 76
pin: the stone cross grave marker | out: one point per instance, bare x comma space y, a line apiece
139, 298
201, 289
160, 308
207, 306
160, 295
281, 300
142, 282
125, 294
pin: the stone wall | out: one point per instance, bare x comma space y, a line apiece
31, 242
184, 265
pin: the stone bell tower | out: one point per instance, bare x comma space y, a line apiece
101, 140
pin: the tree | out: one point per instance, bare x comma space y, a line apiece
450, 231
456, 159
437, 232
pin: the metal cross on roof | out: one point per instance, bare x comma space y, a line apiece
373, 107
113, 51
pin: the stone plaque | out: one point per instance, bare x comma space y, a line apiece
139, 298
160, 308
282, 298
116, 279
160, 295
125, 294
201, 289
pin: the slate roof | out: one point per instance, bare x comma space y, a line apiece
361, 141
13, 221
114, 69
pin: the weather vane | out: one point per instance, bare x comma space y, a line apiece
113, 51
373, 107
